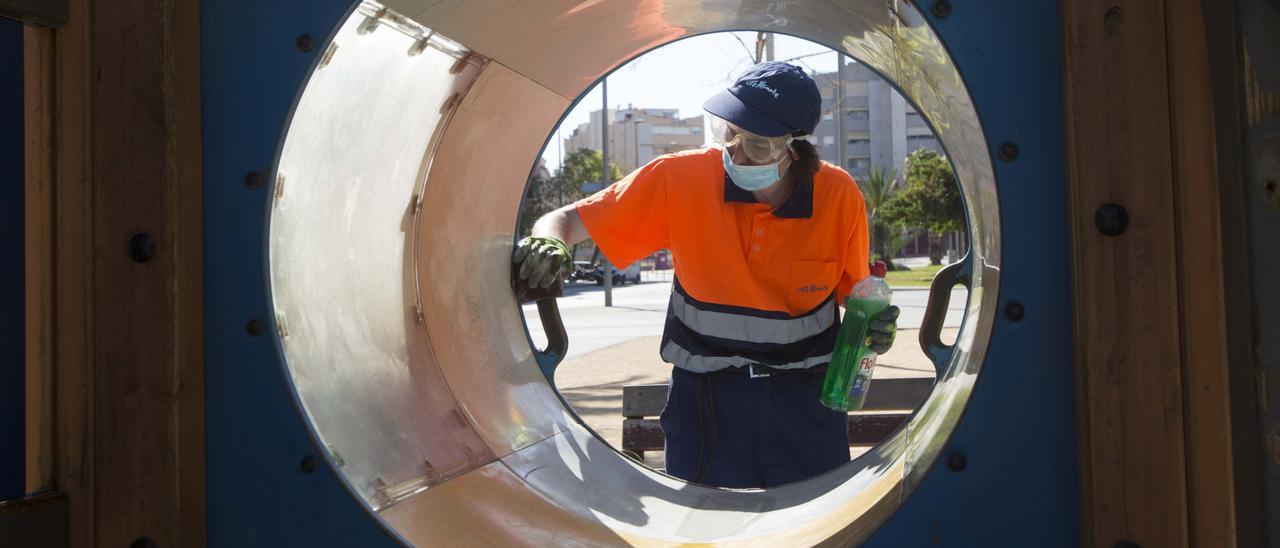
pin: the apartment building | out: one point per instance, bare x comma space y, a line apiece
881, 127
638, 135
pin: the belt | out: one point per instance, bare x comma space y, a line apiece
760, 371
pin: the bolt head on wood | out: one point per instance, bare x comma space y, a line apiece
1111, 219
142, 247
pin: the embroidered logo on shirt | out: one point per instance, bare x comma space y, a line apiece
759, 84
812, 288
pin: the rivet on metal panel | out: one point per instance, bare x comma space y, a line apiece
142, 247
1111, 219
417, 314
309, 465
144, 542
328, 54
418, 46
451, 102
1009, 152
254, 328
281, 326
461, 63
1014, 311
942, 9
253, 179
957, 461
1112, 20
305, 43
370, 22
462, 419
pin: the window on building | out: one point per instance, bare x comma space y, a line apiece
827, 116
860, 164
859, 140
859, 114
919, 137
827, 141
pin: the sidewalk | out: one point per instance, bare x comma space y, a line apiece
592, 382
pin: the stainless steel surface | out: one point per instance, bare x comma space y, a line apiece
409, 351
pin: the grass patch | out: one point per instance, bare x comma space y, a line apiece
918, 277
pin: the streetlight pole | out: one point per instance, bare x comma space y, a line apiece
604, 179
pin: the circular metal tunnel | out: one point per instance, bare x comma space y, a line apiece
396, 195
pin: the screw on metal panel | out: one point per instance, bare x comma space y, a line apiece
1014, 311
306, 43
253, 179
1112, 20
1111, 219
1009, 152
144, 542
941, 9
309, 465
142, 247
254, 328
329, 52
461, 63
956, 462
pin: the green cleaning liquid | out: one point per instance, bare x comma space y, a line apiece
849, 374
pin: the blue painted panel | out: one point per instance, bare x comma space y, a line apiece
258, 494
12, 333
1019, 484
1018, 437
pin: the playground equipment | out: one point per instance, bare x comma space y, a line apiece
333, 355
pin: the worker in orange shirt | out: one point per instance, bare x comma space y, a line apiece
767, 240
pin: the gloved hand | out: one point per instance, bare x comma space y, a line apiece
882, 330
542, 260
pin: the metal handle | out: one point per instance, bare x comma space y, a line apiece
549, 313
557, 337
935, 312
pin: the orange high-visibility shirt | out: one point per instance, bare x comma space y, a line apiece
753, 284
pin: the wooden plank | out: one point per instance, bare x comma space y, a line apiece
73, 239
642, 435
38, 98
146, 358
123, 125
37, 520
1128, 338
1202, 293
647, 400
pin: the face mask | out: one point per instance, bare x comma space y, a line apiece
751, 177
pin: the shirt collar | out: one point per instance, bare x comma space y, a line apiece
798, 206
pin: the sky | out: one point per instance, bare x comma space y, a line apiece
683, 74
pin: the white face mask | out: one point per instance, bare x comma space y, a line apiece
751, 178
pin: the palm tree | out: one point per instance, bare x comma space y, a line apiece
879, 185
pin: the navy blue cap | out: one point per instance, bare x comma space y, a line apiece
771, 100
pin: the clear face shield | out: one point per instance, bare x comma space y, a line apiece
760, 150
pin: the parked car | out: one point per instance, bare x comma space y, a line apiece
585, 271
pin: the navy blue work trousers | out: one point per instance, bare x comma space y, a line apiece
727, 429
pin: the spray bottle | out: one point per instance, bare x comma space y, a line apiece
852, 362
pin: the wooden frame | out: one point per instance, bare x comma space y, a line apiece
115, 377
1152, 386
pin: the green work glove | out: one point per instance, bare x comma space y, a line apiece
882, 330
542, 260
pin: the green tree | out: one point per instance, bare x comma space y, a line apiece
546, 193
584, 166
931, 200
886, 238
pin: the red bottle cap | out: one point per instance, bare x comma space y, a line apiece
879, 269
